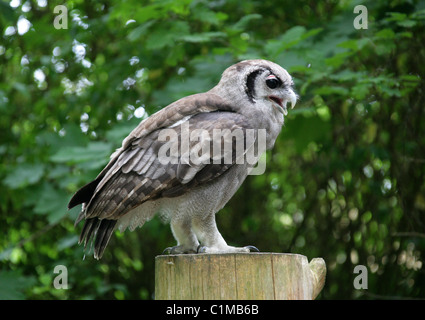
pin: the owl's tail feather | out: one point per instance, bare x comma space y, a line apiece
85, 194
99, 229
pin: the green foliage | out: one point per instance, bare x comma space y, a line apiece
345, 180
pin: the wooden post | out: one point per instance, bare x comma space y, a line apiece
240, 276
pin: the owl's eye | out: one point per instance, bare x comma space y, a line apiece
272, 82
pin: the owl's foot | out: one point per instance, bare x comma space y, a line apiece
228, 249
179, 250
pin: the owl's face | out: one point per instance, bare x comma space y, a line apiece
258, 85
274, 86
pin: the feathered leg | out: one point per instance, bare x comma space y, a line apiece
186, 238
212, 241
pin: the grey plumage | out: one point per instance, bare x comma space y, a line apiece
136, 184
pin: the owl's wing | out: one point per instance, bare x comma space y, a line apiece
148, 166
166, 117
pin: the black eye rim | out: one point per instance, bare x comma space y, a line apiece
273, 83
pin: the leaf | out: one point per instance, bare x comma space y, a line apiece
243, 22
347, 75
338, 59
6, 12
411, 80
392, 92
120, 131
13, 284
67, 242
205, 15
395, 16
407, 23
51, 202
305, 129
93, 151
331, 90
361, 90
386, 34
166, 35
140, 31
202, 37
148, 12
289, 39
354, 44
24, 175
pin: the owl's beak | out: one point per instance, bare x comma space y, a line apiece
281, 102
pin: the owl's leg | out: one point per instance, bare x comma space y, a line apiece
186, 238
211, 239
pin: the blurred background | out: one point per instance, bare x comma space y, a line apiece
345, 180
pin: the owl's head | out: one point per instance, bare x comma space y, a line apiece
258, 82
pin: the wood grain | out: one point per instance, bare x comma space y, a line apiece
240, 276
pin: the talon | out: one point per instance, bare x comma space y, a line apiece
201, 249
178, 250
252, 248
167, 251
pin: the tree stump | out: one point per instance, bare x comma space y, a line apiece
239, 276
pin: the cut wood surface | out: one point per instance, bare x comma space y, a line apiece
238, 276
